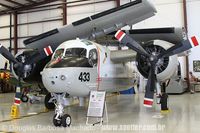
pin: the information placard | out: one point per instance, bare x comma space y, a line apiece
96, 104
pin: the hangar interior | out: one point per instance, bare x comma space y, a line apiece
24, 19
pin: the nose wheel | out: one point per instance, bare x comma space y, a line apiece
57, 120
61, 119
64, 120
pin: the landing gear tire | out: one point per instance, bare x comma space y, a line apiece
24, 98
48, 105
57, 122
66, 120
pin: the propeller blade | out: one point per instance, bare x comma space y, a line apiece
149, 94
129, 42
7, 54
184, 46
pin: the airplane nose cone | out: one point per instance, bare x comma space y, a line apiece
66, 80
55, 80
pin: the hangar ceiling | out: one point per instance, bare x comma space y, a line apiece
9, 6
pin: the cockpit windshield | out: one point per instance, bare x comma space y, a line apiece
58, 54
73, 57
75, 52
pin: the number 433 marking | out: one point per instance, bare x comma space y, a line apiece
84, 77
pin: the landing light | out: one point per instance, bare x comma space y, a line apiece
62, 77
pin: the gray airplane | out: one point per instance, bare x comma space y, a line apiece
80, 65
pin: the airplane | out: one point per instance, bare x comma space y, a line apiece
27, 65
80, 66
96, 67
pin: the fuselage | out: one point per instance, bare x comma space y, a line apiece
79, 66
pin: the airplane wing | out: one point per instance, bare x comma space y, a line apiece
173, 35
94, 26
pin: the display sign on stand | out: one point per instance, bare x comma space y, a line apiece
96, 107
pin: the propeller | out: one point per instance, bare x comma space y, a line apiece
129, 42
7, 54
153, 59
22, 65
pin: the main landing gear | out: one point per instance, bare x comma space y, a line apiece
164, 99
59, 101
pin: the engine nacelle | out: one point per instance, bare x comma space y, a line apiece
166, 67
31, 72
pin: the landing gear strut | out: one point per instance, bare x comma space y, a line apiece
49, 101
61, 119
163, 98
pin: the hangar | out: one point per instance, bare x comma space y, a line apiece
99, 65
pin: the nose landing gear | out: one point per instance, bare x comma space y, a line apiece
61, 119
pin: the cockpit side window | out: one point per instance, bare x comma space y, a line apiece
58, 54
75, 52
93, 57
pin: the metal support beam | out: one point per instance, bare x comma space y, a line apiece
186, 28
15, 32
10, 38
73, 2
64, 13
27, 7
185, 15
43, 21
31, 1
118, 3
10, 26
15, 2
6, 6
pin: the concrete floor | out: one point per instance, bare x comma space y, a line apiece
126, 114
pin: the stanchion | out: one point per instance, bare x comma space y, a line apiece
15, 107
